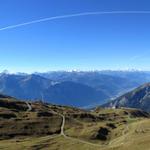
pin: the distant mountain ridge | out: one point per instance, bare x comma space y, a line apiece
79, 89
29, 87
74, 94
137, 98
34, 87
111, 84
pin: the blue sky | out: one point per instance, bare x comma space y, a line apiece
110, 41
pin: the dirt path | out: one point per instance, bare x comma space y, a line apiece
29, 106
62, 133
71, 138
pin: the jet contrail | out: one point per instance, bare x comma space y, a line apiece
73, 15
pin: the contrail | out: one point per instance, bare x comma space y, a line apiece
73, 15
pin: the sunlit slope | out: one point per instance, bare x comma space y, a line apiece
34, 126
138, 98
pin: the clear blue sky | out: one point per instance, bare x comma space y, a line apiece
114, 41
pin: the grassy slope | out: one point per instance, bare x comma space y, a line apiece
131, 132
137, 138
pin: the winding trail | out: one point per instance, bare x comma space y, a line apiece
62, 129
62, 133
62, 126
53, 136
29, 106
71, 138
111, 144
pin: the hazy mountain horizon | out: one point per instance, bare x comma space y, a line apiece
6, 71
